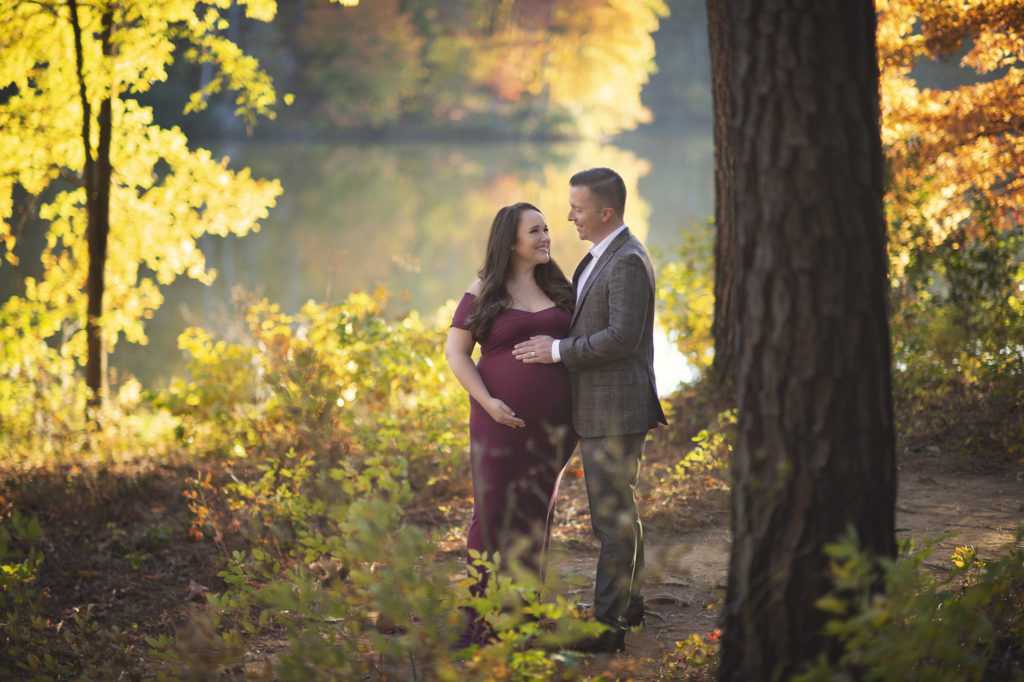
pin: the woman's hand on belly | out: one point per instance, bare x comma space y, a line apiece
502, 413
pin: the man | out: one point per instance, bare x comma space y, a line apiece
609, 355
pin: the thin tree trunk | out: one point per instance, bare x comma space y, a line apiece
815, 446
23, 207
98, 234
724, 324
97, 176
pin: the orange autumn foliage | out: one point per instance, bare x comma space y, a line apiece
953, 151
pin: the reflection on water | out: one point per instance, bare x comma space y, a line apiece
414, 217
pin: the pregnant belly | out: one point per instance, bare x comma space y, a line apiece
533, 391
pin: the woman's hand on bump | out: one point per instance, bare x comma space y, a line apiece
503, 414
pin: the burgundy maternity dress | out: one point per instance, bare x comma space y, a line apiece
516, 470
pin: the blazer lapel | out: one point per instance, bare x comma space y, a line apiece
579, 270
605, 258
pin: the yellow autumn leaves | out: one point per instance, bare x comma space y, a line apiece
955, 151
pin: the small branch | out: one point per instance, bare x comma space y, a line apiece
71, 177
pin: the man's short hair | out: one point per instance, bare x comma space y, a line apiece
605, 185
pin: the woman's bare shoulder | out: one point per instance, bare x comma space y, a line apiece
475, 288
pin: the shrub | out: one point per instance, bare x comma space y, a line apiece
896, 621
957, 325
686, 295
332, 382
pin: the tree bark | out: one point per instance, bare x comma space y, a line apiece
724, 324
815, 447
97, 176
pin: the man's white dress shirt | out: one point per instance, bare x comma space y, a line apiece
595, 251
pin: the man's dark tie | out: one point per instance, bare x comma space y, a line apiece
580, 268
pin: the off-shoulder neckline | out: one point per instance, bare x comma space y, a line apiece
519, 310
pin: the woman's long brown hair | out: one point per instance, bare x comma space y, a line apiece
494, 298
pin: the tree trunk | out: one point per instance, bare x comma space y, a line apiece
97, 177
97, 233
724, 324
815, 446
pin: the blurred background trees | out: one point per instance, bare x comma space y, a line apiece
537, 68
953, 113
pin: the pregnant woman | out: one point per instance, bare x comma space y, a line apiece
520, 421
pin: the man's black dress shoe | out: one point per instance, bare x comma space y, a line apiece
634, 620
611, 640
634, 617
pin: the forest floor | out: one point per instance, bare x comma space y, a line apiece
115, 548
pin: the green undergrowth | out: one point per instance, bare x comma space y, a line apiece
967, 626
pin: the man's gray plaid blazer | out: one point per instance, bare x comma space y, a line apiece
610, 349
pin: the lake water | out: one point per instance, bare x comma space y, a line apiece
414, 217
